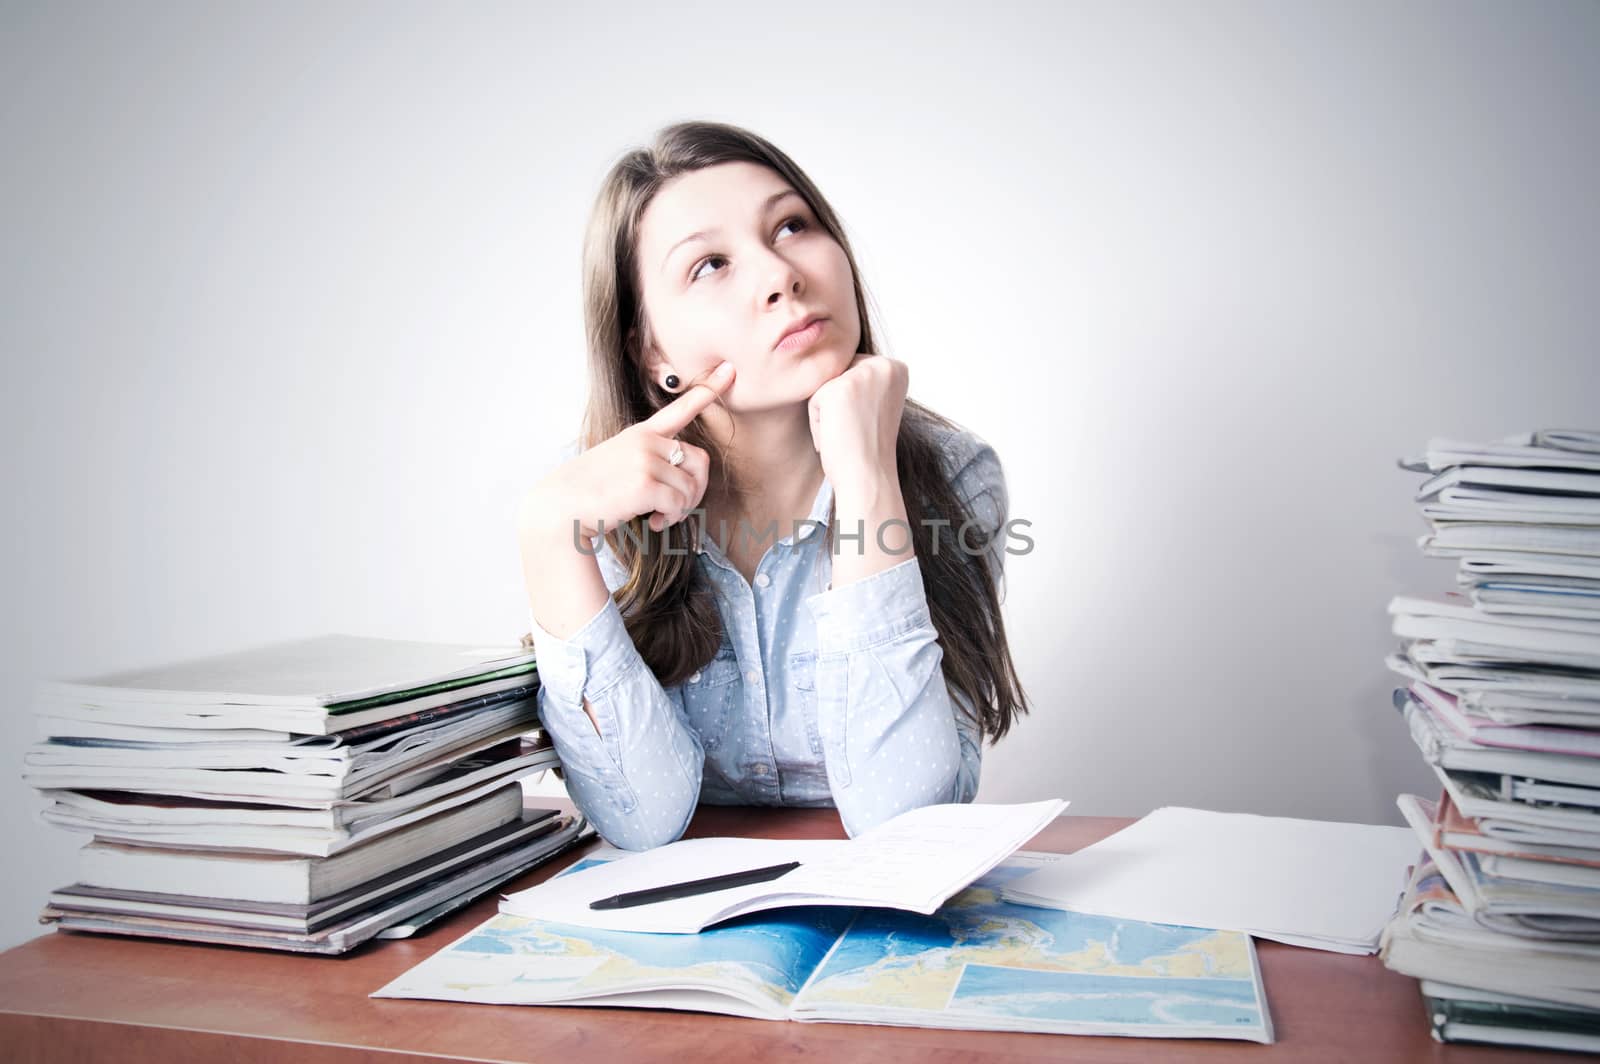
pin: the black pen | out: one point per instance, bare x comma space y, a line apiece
694, 886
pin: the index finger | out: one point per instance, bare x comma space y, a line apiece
672, 418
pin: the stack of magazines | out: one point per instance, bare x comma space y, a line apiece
1501, 920
305, 796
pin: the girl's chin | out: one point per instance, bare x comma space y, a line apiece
785, 383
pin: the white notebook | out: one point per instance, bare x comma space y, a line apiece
914, 861
310, 673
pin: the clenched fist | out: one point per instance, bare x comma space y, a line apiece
855, 420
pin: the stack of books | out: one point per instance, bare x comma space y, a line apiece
305, 796
1501, 920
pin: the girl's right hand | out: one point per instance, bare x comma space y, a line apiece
630, 474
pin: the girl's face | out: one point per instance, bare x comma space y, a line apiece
730, 258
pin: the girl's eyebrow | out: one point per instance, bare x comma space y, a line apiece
765, 207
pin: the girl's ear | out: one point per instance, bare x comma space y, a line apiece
649, 358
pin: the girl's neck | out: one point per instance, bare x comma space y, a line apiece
774, 466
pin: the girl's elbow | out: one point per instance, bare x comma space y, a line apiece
645, 830
965, 786
861, 815
656, 822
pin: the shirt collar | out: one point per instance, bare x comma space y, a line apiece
706, 546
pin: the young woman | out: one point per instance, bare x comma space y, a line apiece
768, 578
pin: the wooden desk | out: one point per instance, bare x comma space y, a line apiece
79, 997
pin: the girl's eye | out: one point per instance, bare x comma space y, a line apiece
797, 223
694, 274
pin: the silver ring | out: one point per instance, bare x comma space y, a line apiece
676, 457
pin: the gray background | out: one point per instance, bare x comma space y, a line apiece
290, 316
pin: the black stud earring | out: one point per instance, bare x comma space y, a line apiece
672, 382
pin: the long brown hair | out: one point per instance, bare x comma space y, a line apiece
668, 606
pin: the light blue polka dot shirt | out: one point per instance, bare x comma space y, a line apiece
816, 697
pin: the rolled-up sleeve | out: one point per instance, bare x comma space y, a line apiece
894, 737
635, 771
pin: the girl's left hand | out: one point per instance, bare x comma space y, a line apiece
855, 421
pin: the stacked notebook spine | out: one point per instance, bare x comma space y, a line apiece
1501, 919
303, 796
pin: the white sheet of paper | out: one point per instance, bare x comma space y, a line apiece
565, 899
914, 861
935, 850
1305, 882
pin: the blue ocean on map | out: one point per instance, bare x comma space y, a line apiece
779, 947
1086, 998
977, 924
972, 920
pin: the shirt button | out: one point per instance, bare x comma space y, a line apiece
762, 580
758, 769
752, 677
694, 677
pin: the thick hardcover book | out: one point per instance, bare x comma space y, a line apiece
1495, 1023
267, 784
85, 900
396, 917
315, 828
251, 875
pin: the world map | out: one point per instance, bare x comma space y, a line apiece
979, 962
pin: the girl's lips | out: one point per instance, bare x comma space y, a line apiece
799, 341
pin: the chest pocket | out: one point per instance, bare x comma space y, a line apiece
803, 689
708, 697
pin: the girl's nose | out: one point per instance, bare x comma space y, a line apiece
793, 282
781, 277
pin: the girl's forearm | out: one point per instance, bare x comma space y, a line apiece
873, 534
564, 585
596, 658
565, 588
